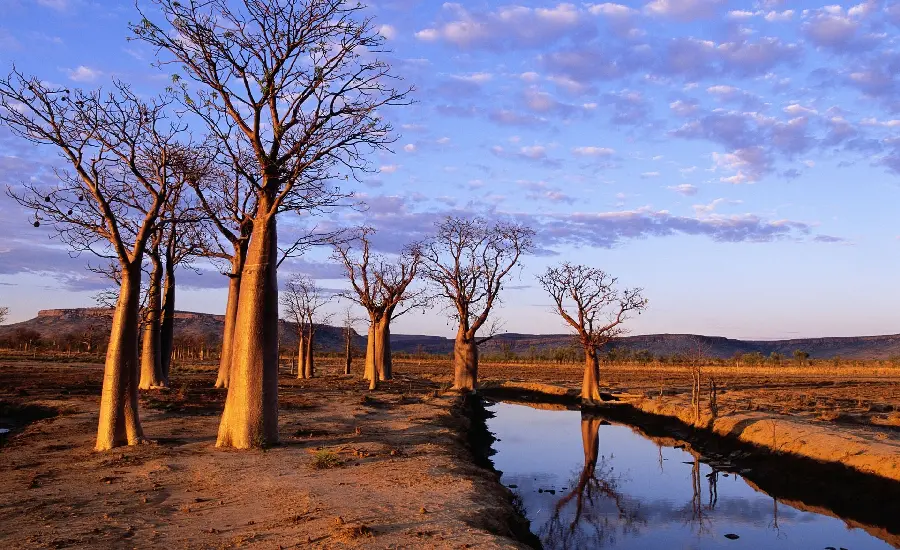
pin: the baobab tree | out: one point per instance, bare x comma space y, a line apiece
588, 300
303, 88
381, 285
151, 360
119, 149
302, 300
467, 262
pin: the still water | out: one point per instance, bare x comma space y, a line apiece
585, 483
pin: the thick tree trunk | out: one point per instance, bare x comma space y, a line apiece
119, 420
231, 309
309, 366
369, 372
301, 355
590, 386
250, 418
167, 326
465, 363
383, 349
151, 361
348, 358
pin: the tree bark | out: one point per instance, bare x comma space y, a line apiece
590, 386
250, 418
465, 363
369, 372
348, 359
151, 360
301, 355
231, 309
383, 364
309, 367
167, 326
119, 420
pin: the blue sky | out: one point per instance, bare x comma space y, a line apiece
737, 160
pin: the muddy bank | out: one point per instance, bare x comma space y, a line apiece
862, 499
395, 468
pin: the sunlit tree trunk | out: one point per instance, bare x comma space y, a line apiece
369, 373
151, 363
590, 386
383, 349
309, 366
231, 309
250, 418
167, 326
119, 420
301, 355
465, 363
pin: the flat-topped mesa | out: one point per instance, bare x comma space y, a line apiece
84, 312
75, 313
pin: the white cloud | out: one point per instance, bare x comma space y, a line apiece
647, 175
83, 74
685, 189
389, 168
591, 151
410, 147
388, 31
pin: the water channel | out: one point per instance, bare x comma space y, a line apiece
586, 483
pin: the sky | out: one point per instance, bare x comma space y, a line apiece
739, 161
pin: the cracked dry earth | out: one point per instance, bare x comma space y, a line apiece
404, 476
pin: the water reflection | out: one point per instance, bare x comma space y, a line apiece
612, 487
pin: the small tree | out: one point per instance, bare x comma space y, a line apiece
4, 313
467, 262
801, 357
381, 285
302, 299
588, 300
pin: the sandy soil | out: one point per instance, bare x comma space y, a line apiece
402, 475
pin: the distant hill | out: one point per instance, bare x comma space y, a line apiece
94, 323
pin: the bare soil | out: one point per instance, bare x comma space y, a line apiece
390, 469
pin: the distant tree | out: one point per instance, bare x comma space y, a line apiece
588, 300
381, 285
467, 262
4, 313
302, 300
776, 357
801, 357
120, 150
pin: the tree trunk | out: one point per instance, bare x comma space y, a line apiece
120, 423
383, 349
348, 359
301, 355
309, 367
151, 361
465, 363
231, 309
369, 372
167, 326
590, 386
250, 418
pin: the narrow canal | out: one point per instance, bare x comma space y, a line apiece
586, 483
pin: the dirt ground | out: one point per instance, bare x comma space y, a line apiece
390, 469
386, 470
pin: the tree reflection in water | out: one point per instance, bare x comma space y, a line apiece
594, 512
